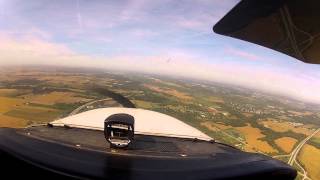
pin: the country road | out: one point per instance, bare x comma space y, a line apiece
304, 174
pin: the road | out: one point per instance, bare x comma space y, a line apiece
304, 174
76, 111
293, 155
283, 155
296, 151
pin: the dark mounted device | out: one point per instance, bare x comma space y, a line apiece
119, 130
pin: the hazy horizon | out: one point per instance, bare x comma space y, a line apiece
158, 37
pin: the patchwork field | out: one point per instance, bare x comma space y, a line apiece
166, 83
62, 80
214, 126
13, 122
144, 104
284, 126
286, 143
171, 92
54, 98
252, 136
8, 92
215, 99
20, 107
34, 114
7, 103
250, 120
310, 159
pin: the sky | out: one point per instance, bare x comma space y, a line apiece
172, 37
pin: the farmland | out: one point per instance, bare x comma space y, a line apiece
310, 159
247, 119
286, 143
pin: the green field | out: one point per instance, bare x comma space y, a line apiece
34, 98
35, 114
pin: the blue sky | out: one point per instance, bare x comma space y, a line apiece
155, 36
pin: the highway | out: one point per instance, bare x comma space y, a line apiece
293, 155
295, 152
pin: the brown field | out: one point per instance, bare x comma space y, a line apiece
233, 117
53, 78
252, 136
317, 135
286, 143
215, 99
8, 92
5, 77
55, 97
65, 79
171, 92
72, 80
284, 126
250, 133
34, 114
14, 92
310, 159
12, 122
7, 103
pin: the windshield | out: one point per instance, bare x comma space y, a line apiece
63, 58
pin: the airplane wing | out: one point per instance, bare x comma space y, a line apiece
288, 26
